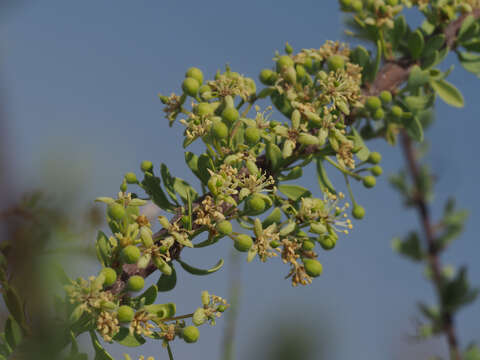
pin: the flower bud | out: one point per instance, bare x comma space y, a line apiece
307, 139
199, 317
131, 178
267, 77
230, 115
255, 204
224, 227
204, 109
221, 308
135, 283
313, 267
274, 244
376, 170
284, 62
373, 103
318, 228
131, 254
146, 166
290, 75
374, 158
301, 72
252, 135
392, 2
288, 48
369, 181
123, 186
195, 73
190, 86
125, 314
386, 96
220, 130
190, 334
358, 212
116, 211
308, 245
335, 62
327, 242
110, 276
243, 242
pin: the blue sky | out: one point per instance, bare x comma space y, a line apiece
81, 82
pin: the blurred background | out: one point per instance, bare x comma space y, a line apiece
79, 108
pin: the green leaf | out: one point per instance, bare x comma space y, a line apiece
152, 187
473, 45
100, 352
274, 155
457, 292
274, 217
123, 337
435, 43
13, 333
416, 43
294, 174
470, 62
192, 161
184, 190
417, 77
150, 295
472, 353
167, 282
410, 247
358, 143
162, 311
15, 306
465, 28
417, 103
200, 272
448, 93
414, 128
294, 192
168, 182
104, 252
203, 165
323, 180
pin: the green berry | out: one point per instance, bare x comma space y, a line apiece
135, 283
335, 62
308, 245
369, 181
358, 212
123, 186
131, 178
374, 158
230, 115
386, 96
252, 135
125, 314
110, 276
243, 242
373, 103
301, 72
313, 267
203, 109
220, 130
346, 3
190, 334
224, 227
392, 2
288, 48
256, 204
379, 114
267, 77
397, 111
146, 166
196, 74
327, 242
357, 5
116, 211
284, 62
190, 86
131, 254
376, 170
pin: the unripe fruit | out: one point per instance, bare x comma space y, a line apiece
284, 62
267, 77
135, 283
346, 3
224, 227
374, 158
256, 204
125, 314
116, 211
358, 212
392, 2
243, 242
123, 186
131, 254
313, 267
190, 334
230, 115
301, 72
146, 166
195, 73
131, 178
386, 96
204, 108
369, 181
379, 114
335, 62
288, 48
308, 245
357, 5
190, 86
327, 242
110, 276
252, 135
373, 103
397, 111
220, 130
376, 170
